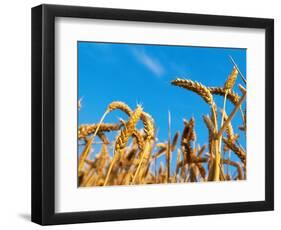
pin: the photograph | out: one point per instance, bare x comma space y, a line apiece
158, 114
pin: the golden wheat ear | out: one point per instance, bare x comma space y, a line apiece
196, 87
149, 131
230, 82
128, 130
148, 124
241, 75
122, 139
120, 106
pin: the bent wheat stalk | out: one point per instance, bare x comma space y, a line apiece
149, 131
123, 138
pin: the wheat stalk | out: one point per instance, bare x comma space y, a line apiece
85, 154
242, 89
226, 123
168, 156
209, 125
103, 137
79, 103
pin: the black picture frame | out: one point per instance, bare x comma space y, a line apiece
43, 114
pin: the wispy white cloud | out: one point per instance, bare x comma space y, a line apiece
150, 62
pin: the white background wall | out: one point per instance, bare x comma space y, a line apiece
15, 113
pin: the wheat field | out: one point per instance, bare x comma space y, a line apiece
131, 157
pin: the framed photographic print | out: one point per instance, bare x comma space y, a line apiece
142, 114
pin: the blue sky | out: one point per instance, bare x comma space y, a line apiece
138, 73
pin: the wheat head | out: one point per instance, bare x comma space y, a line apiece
128, 130
196, 87
119, 105
148, 124
230, 82
139, 139
85, 130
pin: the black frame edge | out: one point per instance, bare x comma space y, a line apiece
269, 114
36, 114
160, 212
156, 16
